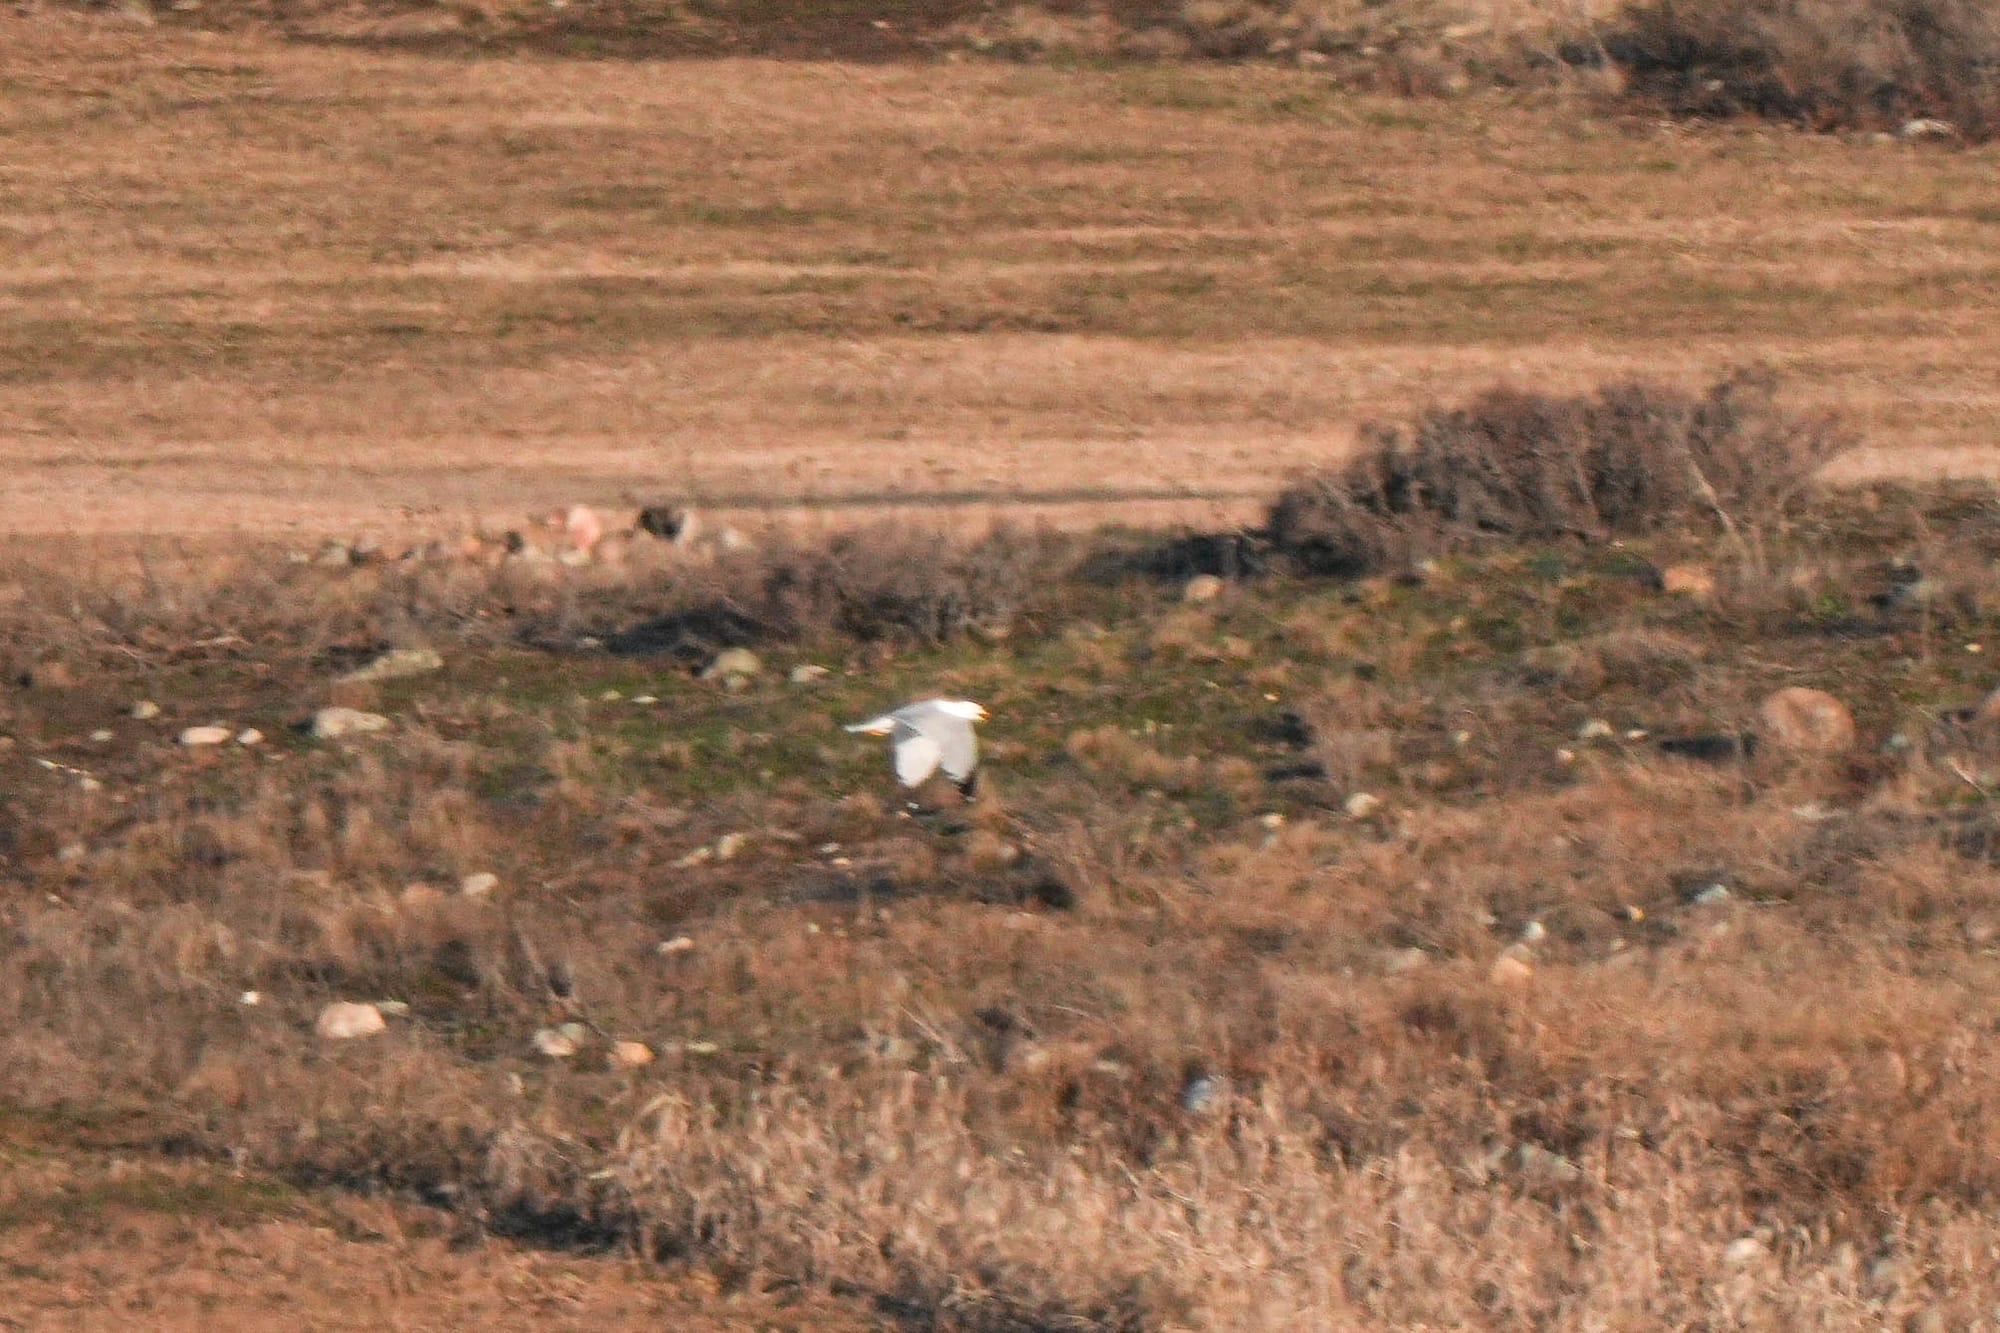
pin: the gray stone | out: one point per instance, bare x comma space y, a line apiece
344, 1020
333, 723
732, 662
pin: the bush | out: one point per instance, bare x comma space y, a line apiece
1530, 467
1821, 63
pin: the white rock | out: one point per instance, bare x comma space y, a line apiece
558, 1043
1403, 960
1534, 933
1510, 969
729, 844
1742, 1250
85, 782
1709, 895
695, 858
249, 736
332, 723
630, 1055
645, 698
1361, 805
1596, 729
678, 944
205, 735
479, 884
395, 664
145, 710
394, 1008
1926, 128
1202, 588
807, 673
732, 663
103, 734
344, 1019
250, 998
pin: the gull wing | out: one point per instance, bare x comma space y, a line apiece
958, 745
916, 754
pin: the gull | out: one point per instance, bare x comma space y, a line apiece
929, 735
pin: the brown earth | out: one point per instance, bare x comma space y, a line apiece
260, 287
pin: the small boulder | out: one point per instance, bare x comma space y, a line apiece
215, 735
145, 710
1798, 718
807, 673
1361, 805
740, 663
1202, 588
394, 665
249, 736
562, 1042
479, 884
344, 1020
1510, 969
630, 1055
1927, 129
333, 723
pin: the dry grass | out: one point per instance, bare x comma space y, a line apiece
938, 1071
274, 288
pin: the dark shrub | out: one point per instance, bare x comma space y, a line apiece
1524, 466
1821, 63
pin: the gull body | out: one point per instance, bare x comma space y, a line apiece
928, 736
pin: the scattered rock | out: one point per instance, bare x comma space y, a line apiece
732, 664
1927, 129
1534, 933
1361, 805
1596, 729
70, 853
103, 734
562, 1042
249, 736
1798, 718
344, 1019
1510, 969
1743, 1250
333, 723
334, 555
393, 1008
1202, 588
145, 710
729, 844
250, 998
1708, 895
479, 884
1688, 581
698, 856
678, 944
630, 1055
214, 735
807, 673
1202, 1092
394, 665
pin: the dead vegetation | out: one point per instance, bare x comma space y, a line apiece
1630, 459
1166, 1030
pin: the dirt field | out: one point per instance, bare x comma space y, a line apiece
1343, 951
261, 288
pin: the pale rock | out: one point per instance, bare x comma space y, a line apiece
1510, 969
807, 673
1202, 588
103, 734
479, 884
1361, 805
678, 944
630, 1055
205, 735
1742, 1250
249, 736
395, 665
1596, 729
145, 710
333, 723
1803, 719
729, 844
731, 664
560, 1043
344, 1020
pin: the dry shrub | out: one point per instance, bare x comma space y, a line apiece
1631, 458
886, 583
1822, 63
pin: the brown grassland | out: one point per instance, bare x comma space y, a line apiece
1164, 1029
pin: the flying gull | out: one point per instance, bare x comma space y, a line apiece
929, 735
